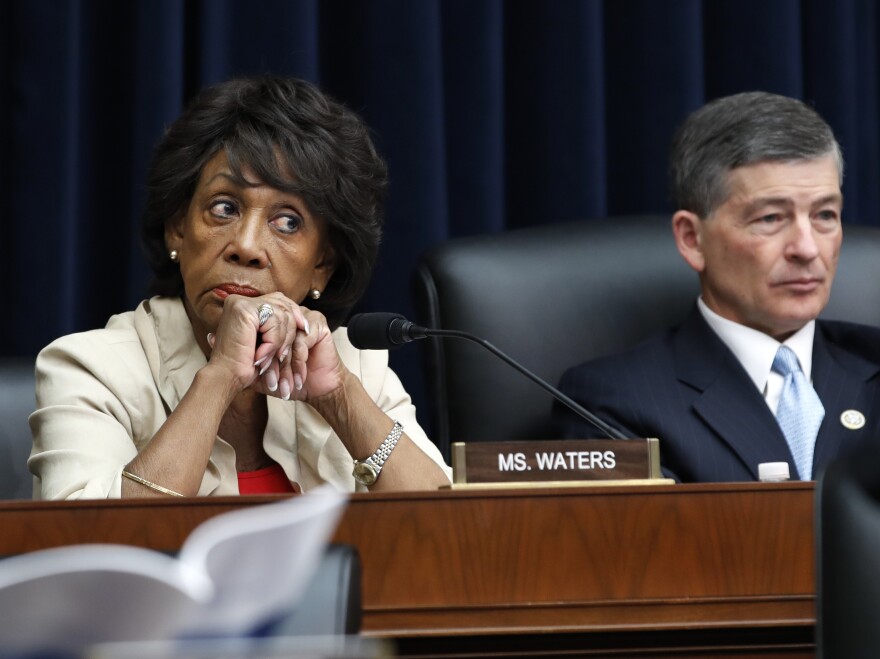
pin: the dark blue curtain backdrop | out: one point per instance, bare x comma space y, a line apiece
491, 114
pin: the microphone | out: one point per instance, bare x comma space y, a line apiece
381, 331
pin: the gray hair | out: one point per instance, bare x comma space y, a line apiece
743, 129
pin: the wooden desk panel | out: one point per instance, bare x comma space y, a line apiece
570, 566
587, 559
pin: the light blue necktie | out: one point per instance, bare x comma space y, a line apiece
800, 411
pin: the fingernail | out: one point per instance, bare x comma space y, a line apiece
265, 366
260, 361
271, 380
285, 389
210, 339
297, 381
283, 356
306, 325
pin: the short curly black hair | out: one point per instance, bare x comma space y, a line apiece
275, 126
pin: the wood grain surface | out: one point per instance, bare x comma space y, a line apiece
720, 568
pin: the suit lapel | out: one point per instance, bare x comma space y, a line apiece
729, 403
840, 378
180, 357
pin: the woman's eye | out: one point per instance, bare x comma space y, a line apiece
287, 223
223, 209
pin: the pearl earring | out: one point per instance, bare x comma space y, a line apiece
174, 255
315, 294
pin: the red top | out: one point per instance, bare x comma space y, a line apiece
270, 480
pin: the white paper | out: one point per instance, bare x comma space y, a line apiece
260, 560
234, 573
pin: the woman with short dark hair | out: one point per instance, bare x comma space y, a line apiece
262, 224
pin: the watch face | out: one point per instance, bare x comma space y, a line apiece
365, 473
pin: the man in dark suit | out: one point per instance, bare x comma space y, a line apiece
750, 377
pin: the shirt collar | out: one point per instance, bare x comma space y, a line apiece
756, 350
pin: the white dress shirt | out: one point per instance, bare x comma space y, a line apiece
756, 351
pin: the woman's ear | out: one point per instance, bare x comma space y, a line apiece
174, 233
324, 268
687, 227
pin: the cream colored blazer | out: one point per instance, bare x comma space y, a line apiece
102, 395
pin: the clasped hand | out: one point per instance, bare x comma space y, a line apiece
291, 356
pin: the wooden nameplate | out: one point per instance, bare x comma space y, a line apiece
567, 462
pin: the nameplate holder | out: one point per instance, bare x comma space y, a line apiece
560, 461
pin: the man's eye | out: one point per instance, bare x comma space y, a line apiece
223, 209
287, 223
770, 219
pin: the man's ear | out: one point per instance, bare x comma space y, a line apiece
687, 227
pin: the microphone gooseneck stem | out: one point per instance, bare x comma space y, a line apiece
553, 391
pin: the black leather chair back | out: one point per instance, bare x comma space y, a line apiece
16, 404
331, 605
554, 296
848, 556
550, 297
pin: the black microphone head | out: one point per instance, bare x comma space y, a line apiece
372, 331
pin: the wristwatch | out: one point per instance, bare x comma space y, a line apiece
367, 471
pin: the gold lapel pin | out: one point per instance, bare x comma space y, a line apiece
852, 419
